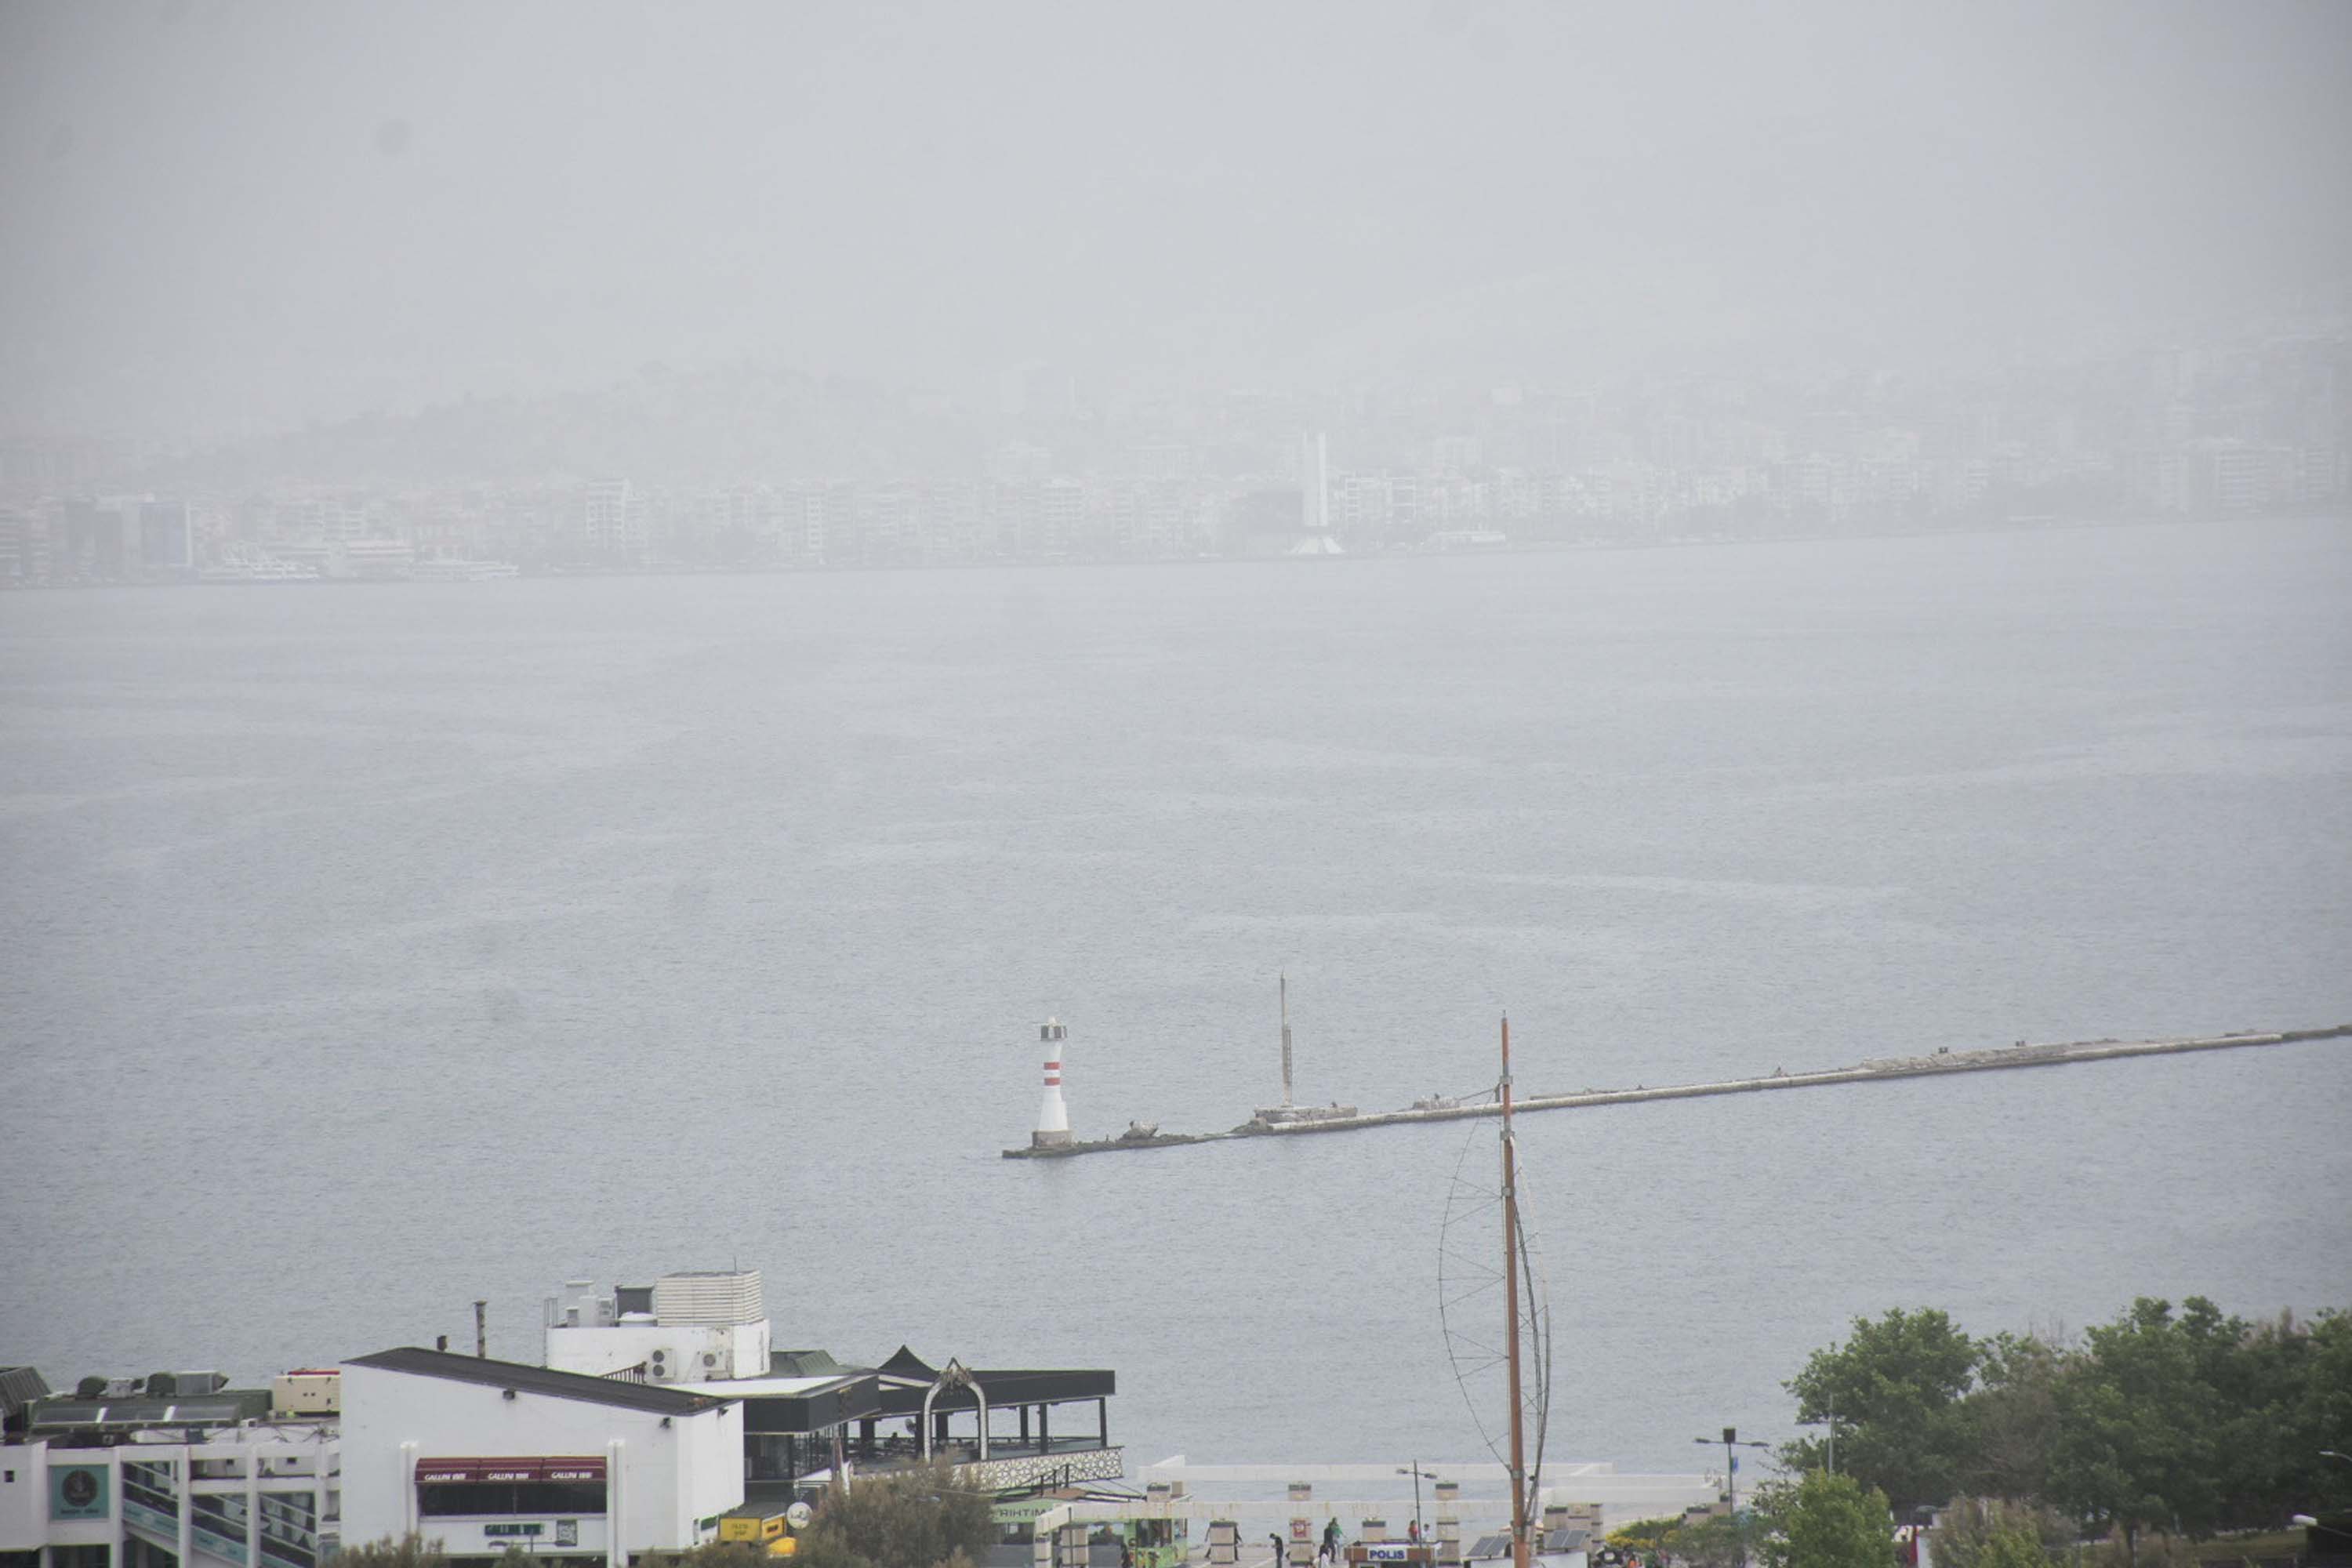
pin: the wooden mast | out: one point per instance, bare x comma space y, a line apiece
1520, 1544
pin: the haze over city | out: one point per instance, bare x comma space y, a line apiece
230, 218
1147, 771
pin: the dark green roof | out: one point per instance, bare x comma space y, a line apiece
19, 1386
65, 1412
542, 1380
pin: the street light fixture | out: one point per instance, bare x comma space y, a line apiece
1418, 1476
1730, 1440
2331, 1454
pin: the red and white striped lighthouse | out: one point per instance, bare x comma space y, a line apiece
1053, 1116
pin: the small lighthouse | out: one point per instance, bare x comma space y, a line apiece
1053, 1116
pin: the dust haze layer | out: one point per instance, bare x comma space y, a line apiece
230, 218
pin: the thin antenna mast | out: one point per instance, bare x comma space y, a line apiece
1520, 1545
1286, 1041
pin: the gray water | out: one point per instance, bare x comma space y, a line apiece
369, 950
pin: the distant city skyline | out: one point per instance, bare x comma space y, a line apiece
754, 470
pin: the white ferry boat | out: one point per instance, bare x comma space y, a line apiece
443, 569
248, 565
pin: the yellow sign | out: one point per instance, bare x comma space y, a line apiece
751, 1527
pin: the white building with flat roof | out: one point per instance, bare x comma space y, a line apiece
484, 1454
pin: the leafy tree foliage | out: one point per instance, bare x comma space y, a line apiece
409, 1551
1987, 1533
1825, 1521
1894, 1387
2178, 1423
912, 1519
710, 1554
1718, 1541
2135, 1444
2014, 1546
2286, 1389
1648, 1536
2012, 1417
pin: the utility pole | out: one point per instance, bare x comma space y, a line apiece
1521, 1547
1420, 1538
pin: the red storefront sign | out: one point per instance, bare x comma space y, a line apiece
514, 1468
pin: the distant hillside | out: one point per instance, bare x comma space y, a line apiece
736, 422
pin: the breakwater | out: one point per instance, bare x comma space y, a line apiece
2002, 1058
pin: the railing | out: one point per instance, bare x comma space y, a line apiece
149, 1496
886, 1451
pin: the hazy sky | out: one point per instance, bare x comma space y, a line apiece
228, 211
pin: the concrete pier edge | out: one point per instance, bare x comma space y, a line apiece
1998, 1059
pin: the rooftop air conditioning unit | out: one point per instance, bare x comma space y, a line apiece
710, 1360
657, 1366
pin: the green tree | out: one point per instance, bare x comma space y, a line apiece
2134, 1443
911, 1518
1647, 1536
1824, 1521
2010, 1418
2014, 1545
1718, 1540
1990, 1533
2285, 1392
710, 1554
409, 1551
1894, 1387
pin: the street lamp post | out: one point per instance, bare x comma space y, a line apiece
1730, 1440
1418, 1476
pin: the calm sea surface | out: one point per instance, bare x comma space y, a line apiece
365, 950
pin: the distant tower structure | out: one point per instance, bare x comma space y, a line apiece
1315, 483
1284, 985
1289, 1113
1053, 1116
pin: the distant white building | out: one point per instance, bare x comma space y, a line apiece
607, 526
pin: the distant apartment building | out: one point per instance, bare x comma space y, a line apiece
2235, 478
322, 518
15, 529
607, 526
167, 538
1163, 460
1061, 516
801, 533
1453, 457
